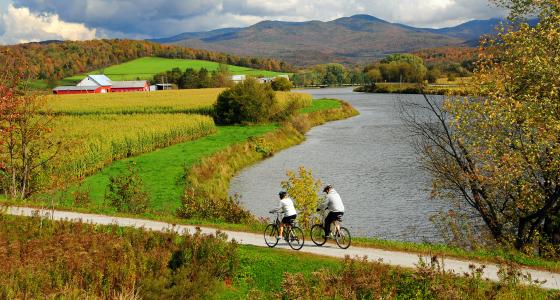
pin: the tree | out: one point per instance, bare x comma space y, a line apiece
498, 151
281, 84
26, 145
248, 101
304, 189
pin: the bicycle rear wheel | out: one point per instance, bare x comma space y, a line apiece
318, 235
343, 238
296, 238
270, 234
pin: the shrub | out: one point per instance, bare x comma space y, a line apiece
126, 192
281, 84
304, 189
247, 102
62, 260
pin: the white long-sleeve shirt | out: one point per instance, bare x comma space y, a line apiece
287, 207
333, 202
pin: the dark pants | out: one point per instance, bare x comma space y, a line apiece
289, 220
329, 219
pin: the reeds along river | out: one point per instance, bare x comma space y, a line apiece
370, 161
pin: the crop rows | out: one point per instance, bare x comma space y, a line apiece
198, 101
97, 140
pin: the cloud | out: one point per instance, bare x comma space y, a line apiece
20, 25
158, 18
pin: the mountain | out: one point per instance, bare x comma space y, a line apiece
355, 39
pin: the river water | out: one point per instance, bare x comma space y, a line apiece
369, 161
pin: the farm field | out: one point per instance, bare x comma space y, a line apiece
145, 68
96, 140
198, 101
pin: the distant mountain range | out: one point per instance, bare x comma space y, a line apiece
356, 39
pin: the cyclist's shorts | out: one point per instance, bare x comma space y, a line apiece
289, 219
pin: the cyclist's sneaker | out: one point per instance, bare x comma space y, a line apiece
278, 237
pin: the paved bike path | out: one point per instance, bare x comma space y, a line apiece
395, 258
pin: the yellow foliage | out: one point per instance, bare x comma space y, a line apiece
304, 189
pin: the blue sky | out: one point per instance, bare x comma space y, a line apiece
34, 20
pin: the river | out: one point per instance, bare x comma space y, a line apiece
368, 159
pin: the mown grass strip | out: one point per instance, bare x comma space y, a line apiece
162, 170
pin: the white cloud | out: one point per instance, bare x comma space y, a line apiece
20, 25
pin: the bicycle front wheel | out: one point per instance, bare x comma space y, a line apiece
318, 235
296, 238
343, 238
270, 234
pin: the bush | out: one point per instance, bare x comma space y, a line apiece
42, 259
126, 192
281, 84
247, 102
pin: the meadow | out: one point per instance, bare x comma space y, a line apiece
146, 67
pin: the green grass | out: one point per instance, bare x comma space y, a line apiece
162, 170
321, 104
147, 67
262, 271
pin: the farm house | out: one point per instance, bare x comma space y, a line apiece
95, 84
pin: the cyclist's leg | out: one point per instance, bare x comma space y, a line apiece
281, 230
328, 221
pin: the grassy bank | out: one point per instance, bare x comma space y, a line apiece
208, 181
413, 88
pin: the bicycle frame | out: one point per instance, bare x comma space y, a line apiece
335, 223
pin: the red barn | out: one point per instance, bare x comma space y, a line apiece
64, 90
130, 86
94, 84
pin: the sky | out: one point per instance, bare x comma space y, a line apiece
36, 20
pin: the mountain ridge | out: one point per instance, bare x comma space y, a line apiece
349, 40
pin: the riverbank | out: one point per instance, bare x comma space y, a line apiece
413, 88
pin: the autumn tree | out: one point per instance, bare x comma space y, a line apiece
26, 147
304, 189
498, 150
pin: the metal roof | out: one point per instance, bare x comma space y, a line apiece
102, 80
129, 84
75, 88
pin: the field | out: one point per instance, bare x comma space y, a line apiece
197, 101
146, 67
174, 101
95, 142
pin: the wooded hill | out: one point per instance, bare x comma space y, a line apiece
350, 40
56, 60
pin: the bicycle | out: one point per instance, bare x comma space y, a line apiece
340, 234
292, 234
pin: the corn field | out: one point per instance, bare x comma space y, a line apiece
97, 140
302, 100
197, 101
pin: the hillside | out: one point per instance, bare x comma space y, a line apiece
146, 67
355, 39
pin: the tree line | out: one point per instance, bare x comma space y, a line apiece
195, 79
57, 60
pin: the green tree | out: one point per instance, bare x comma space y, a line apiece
248, 101
281, 84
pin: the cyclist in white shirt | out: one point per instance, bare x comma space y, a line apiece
288, 209
334, 204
